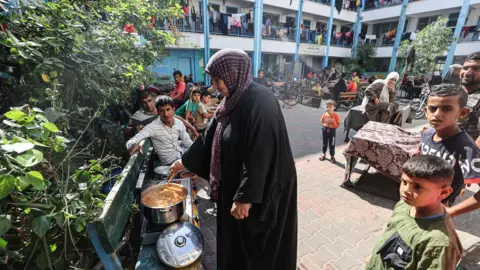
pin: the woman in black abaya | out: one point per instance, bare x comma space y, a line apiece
246, 155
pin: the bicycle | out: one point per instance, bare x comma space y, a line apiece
285, 93
419, 104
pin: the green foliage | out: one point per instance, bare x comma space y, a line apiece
364, 59
430, 43
40, 201
77, 53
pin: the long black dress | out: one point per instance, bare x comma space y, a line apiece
257, 168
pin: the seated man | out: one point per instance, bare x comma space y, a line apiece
147, 113
351, 86
379, 102
169, 136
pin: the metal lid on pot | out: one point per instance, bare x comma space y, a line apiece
180, 245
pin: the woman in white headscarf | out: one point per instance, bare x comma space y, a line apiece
379, 102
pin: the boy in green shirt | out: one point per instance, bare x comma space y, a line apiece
420, 234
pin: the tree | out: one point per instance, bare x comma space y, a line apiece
75, 58
429, 43
364, 59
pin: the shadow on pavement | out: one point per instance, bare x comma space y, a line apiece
378, 185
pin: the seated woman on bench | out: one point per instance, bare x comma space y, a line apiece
379, 102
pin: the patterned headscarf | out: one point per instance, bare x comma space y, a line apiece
233, 67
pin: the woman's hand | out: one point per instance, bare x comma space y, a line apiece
177, 166
377, 101
240, 210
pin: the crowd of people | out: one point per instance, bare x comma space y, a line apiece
244, 151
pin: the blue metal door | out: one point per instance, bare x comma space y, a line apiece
185, 65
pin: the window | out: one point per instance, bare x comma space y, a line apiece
452, 19
406, 25
232, 10
215, 7
423, 22
345, 29
274, 18
381, 28
306, 23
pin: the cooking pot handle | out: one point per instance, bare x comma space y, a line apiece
169, 209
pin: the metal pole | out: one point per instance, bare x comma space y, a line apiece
456, 35
257, 37
206, 36
358, 30
398, 37
298, 30
329, 35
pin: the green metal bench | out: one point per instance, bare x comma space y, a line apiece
107, 232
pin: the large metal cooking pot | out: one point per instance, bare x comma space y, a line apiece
163, 213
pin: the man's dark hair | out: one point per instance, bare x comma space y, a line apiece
261, 70
164, 101
145, 94
204, 94
474, 56
431, 168
450, 90
177, 72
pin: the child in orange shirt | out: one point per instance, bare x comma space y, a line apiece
330, 122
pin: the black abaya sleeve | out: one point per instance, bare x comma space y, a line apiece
197, 158
259, 146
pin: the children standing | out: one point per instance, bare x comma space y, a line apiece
446, 105
420, 233
330, 122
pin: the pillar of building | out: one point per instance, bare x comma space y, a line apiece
398, 37
298, 30
462, 18
357, 30
257, 38
206, 36
329, 35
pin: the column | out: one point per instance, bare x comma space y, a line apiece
398, 37
456, 35
257, 37
329, 34
206, 36
357, 30
298, 30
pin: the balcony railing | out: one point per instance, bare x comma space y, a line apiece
269, 33
351, 4
374, 4
470, 37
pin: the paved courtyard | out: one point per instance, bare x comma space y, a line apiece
337, 226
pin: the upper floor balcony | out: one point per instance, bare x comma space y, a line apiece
270, 32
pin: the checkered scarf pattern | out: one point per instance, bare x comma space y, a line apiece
234, 68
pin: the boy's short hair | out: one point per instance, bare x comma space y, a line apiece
145, 94
450, 90
196, 91
331, 102
164, 101
205, 93
431, 168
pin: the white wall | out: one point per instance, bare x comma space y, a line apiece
466, 48
384, 52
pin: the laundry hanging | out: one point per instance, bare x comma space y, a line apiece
339, 5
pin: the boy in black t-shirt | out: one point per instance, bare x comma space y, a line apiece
446, 105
